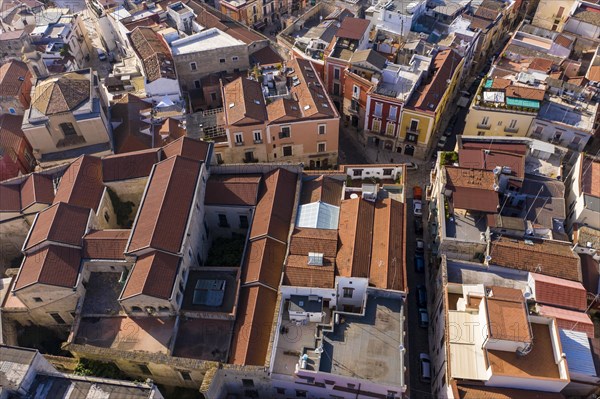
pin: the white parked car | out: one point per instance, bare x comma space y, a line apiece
425, 366
417, 207
442, 142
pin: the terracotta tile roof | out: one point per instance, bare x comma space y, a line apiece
153, 52
62, 93
591, 177
353, 28
37, 189
264, 262
501, 83
273, 212
253, 324
545, 257
483, 392
428, 96
12, 78
322, 188
105, 244
128, 135
472, 189
490, 145
525, 92
52, 265
81, 184
313, 101
10, 198
507, 319
163, 215
541, 64
569, 319
153, 275
540, 362
238, 190
210, 18
489, 159
299, 274
563, 41
284, 110
266, 56
188, 148
62, 223
559, 292
130, 165
594, 73
355, 238
480, 23
244, 102
388, 246
305, 240
12, 144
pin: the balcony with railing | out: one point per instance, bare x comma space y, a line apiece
508, 129
484, 126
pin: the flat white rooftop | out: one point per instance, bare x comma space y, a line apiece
209, 39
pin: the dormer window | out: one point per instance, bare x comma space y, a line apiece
315, 259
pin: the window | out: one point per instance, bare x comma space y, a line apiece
136, 309
234, 58
197, 84
57, 318
355, 91
378, 110
68, 129
38, 299
280, 391
321, 147
336, 73
376, 125
414, 125
285, 132
213, 96
257, 137
144, 369
287, 150
239, 139
249, 156
223, 220
357, 172
485, 121
329, 382
185, 375
351, 386
387, 172
219, 157
300, 394
106, 216
164, 309
480, 133
393, 113
193, 66
336, 89
243, 222
513, 123
247, 383
322, 129
222, 60
390, 129
348, 292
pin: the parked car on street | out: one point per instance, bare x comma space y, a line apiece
418, 226
423, 318
421, 296
425, 367
101, 55
419, 246
442, 143
411, 165
419, 263
417, 208
417, 193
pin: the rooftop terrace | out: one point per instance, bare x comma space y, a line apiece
579, 114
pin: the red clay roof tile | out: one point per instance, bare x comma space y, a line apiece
163, 215
239, 190
53, 265
130, 165
81, 184
559, 292
105, 244
153, 274
38, 189
264, 262
61, 223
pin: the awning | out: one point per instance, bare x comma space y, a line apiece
522, 102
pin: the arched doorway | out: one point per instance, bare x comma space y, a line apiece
409, 150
